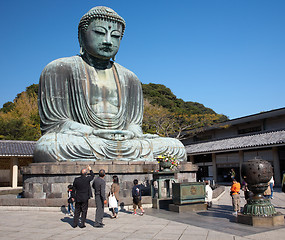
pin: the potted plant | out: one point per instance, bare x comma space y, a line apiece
167, 162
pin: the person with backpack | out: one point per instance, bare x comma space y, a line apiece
137, 197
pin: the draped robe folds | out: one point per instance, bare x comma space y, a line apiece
68, 121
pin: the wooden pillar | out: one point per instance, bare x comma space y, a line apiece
276, 166
241, 159
14, 172
214, 167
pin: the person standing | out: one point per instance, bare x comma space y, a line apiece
137, 198
232, 174
245, 190
115, 188
209, 194
82, 194
271, 184
267, 192
235, 188
99, 186
70, 200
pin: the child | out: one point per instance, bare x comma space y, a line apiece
70, 200
136, 193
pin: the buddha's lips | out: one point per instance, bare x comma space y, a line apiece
106, 49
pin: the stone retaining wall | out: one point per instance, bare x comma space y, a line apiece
50, 180
59, 202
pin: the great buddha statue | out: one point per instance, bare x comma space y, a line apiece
91, 108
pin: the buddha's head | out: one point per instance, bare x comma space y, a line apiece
100, 32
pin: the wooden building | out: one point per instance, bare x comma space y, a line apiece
13, 155
225, 146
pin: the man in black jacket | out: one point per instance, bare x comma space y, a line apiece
100, 198
82, 194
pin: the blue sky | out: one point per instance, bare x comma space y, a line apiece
226, 54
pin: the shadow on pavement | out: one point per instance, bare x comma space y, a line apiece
68, 220
220, 211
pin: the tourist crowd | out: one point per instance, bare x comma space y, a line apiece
80, 192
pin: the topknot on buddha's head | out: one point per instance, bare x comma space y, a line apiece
103, 13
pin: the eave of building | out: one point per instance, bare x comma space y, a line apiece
16, 148
15, 155
253, 141
236, 121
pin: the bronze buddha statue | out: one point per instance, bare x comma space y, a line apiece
91, 108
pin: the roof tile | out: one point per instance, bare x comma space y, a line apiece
262, 139
16, 148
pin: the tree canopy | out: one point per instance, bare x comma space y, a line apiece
20, 120
164, 114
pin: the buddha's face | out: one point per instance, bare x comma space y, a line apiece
102, 38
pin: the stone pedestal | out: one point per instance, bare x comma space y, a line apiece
276, 220
161, 203
50, 180
188, 207
162, 184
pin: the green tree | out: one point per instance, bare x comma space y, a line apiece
22, 122
7, 107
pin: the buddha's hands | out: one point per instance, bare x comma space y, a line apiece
76, 129
148, 135
138, 133
117, 135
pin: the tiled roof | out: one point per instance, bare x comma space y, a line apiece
250, 118
16, 148
240, 142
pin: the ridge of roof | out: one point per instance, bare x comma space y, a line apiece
252, 117
238, 142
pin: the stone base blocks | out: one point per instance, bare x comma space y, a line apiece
256, 221
50, 180
193, 207
161, 203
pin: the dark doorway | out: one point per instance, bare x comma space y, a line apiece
224, 174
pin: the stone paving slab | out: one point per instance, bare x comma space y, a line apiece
217, 223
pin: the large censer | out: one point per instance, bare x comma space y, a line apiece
257, 173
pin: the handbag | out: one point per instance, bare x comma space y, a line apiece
113, 203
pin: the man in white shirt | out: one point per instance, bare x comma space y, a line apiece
209, 194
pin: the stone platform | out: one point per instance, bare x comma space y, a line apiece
161, 203
59, 202
277, 220
194, 207
50, 180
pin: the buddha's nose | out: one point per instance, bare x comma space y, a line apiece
108, 40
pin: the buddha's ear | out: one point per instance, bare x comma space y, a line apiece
81, 52
80, 43
114, 58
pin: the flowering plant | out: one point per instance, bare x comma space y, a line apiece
168, 159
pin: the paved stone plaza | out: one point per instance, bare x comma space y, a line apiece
217, 223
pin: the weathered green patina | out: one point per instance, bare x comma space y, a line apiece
189, 192
92, 108
257, 173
